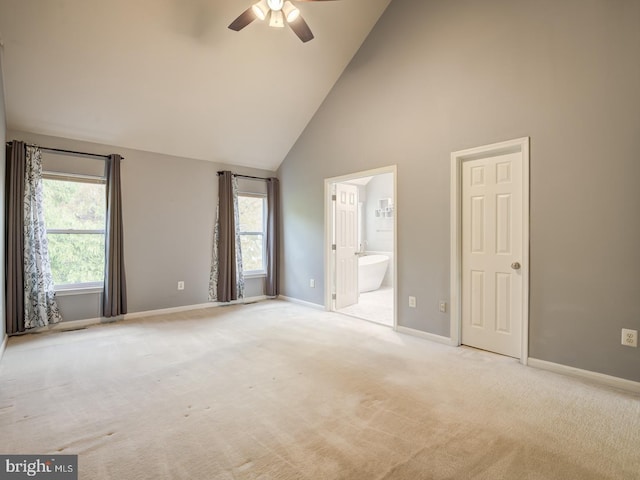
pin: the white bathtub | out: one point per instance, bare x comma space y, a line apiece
371, 270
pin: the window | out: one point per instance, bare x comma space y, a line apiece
252, 210
74, 211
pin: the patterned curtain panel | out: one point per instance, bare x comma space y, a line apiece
226, 279
40, 306
213, 275
238, 247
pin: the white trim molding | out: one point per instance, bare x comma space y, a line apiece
91, 290
165, 311
198, 306
519, 145
426, 335
79, 324
329, 260
601, 378
315, 306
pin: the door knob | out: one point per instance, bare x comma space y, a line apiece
515, 265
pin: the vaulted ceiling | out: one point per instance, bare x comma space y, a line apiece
168, 76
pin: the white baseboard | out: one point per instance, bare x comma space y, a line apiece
70, 325
78, 324
600, 378
198, 306
302, 302
429, 336
74, 324
164, 311
3, 345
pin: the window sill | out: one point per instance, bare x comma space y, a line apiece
255, 274
64, 291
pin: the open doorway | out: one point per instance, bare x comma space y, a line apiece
360, 245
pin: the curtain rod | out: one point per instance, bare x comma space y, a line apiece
60, 150
245, 176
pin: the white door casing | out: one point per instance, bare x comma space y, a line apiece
490, 247
346, 231
329, 234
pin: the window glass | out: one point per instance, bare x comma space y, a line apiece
252, 210
74, 211
251, 213
76, 258
252, 247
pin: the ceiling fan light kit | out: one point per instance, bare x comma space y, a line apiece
278, 11
290, 12
260, 9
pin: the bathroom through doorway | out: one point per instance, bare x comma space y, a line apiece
360, 244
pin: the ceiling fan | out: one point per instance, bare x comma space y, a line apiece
278, 12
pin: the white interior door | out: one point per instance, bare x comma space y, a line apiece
492, 253
346, 231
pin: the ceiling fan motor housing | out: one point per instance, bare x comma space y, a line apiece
275, 5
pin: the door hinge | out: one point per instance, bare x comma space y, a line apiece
334, 198
333, 296
333, 247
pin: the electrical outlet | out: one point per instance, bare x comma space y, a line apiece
412, 302
629, 337
180, 285
312, 283
442, 306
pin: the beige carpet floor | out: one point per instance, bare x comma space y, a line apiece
278, 391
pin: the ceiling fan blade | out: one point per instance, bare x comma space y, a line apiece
243, 20
301, 29
314, 0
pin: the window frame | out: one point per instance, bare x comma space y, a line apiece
262, 272
82, 287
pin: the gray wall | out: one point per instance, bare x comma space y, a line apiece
3, 132
169, 210
439, 76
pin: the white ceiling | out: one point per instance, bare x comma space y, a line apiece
168, 76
